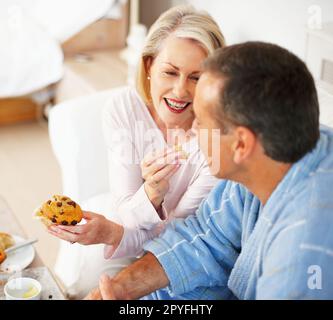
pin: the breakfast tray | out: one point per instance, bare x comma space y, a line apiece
50, 289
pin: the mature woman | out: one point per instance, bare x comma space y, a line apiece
152, 180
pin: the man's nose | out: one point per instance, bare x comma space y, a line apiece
181, 88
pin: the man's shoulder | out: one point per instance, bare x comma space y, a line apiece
227, 190
306, 216
311, 193
313, 196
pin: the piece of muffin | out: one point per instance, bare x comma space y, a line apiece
6, 241
181, 152
59, 210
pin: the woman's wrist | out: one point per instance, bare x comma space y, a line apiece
115, 233
156, 201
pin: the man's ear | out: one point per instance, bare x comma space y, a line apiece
244, 144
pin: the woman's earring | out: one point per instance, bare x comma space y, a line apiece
148, 77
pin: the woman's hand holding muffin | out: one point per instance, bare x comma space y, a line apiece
97, 229
61, 215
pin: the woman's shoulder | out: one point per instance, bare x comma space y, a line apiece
126, 95
123, 104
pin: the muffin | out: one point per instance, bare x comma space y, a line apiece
59, 210
181, 152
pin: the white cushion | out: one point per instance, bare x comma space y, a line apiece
75, 129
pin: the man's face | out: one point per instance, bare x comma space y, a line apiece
214, 143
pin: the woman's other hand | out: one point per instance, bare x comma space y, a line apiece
97, 229
157, 168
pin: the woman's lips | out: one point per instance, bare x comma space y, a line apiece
176, 109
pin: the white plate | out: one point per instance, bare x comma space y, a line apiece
19, 259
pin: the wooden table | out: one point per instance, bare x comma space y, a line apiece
9, 224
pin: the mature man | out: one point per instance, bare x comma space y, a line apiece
265, 232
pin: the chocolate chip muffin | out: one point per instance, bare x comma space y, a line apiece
59, 210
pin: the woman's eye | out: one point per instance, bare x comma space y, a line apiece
170, 73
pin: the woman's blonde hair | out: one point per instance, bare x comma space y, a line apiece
185, 22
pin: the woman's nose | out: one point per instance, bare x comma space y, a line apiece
180, 88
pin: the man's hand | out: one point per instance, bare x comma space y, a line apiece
104, 292
106, 288
144, 276
94, 294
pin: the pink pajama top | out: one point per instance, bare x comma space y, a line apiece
130, 133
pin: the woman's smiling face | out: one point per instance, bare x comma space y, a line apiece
174, 74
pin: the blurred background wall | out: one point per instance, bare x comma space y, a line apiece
280, 21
